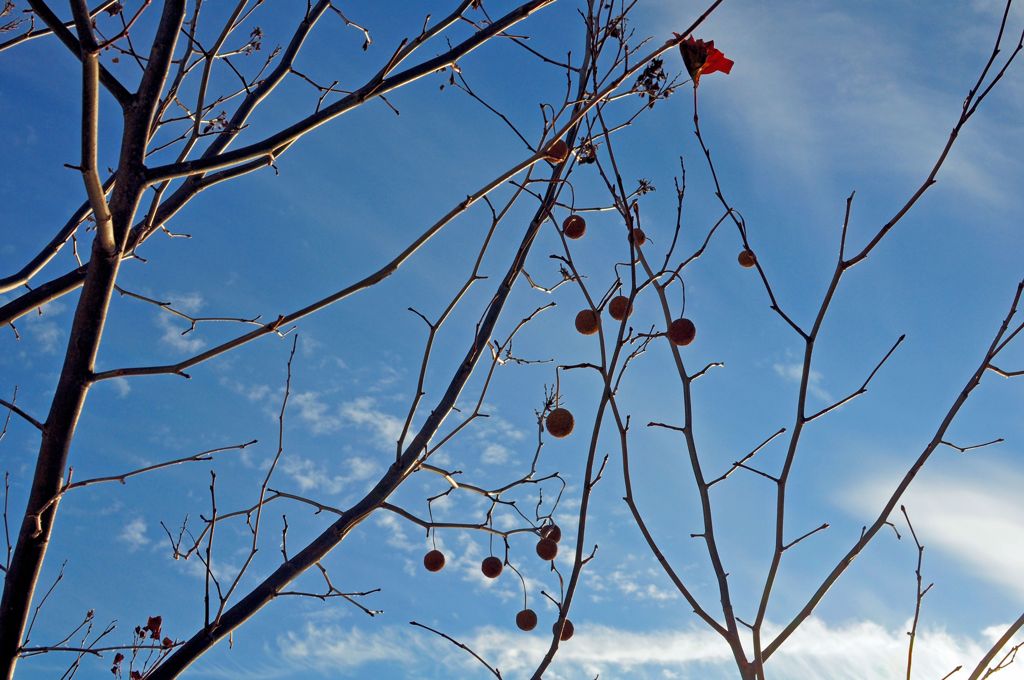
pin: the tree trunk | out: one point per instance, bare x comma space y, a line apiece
58, 431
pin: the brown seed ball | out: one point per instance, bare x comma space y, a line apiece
434, 560
681, 332
547, 549
587, 321
526, 619
638, 237
551, 531
747, 258
567, 630
574, 226
619, 308
491, 567
557, 151
560, 422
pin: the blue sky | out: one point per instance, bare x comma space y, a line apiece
825, 98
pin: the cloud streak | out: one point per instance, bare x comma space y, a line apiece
875, 112
974, 516
134, 534
859, 650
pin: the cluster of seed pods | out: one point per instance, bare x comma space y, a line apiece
680, 332
559, 421
547, 550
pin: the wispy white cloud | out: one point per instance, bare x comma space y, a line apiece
121, 386
975, 516
189, 303
365, 412
171, 335
47, 335
360, 468
312, 475
315, 412
507, 520
134, 534
43, 329
494, 426
395, 530
314, 409
222, 570
644, 588
853, 651
802, 114
495, 454
496, 437
995, 8
385, 376
793, 372
330, 648
258, 392
53, 308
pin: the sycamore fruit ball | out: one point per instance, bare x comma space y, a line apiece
567, 630
557, 151
491, 567
574, 226
619, 307
434, 560
547, 549
746, 258
559, 422
682, 332
587, 321
551, 531
638, 237
526, 619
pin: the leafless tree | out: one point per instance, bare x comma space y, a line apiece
165, 65
162, 64
645, 272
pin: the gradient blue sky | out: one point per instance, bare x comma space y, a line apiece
825, 98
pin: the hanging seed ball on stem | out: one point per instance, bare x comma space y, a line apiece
746, 258
681, 332
587, 321
574, 226
547, 549
491, 567
638, 237
526, 619
619, 308
567, 630
559, 422
434, 560
557, 151
551, 531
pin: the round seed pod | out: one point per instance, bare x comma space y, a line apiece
638, 237
491, 567
551, 531
587, 322
526, 619
682, 332
619, 307
434, 560
746, 258
567, 630
547, 549
557, 151
574, 226
559, 423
